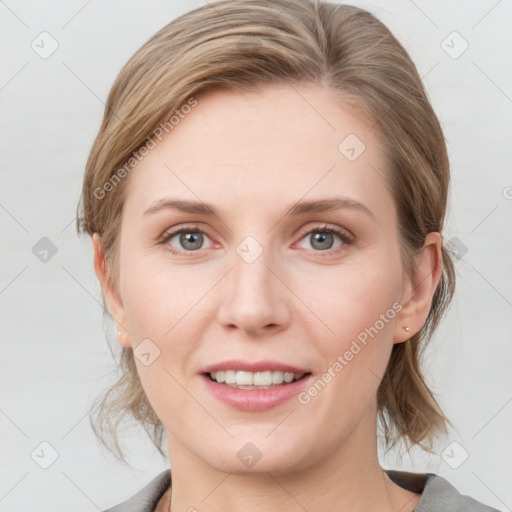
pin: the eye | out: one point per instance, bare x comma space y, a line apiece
189, 239
186, 239
321, 238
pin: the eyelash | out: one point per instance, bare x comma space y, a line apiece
346, 238
344, 235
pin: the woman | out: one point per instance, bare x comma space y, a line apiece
266, 198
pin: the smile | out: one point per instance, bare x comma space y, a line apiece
255, 397
254, 380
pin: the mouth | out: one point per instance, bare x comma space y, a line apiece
254, 386
261, 380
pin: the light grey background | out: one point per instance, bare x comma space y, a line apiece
55, 357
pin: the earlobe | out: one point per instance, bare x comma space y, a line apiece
419, 289
110, 293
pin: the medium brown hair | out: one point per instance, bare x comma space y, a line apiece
243, 45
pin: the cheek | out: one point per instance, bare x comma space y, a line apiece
357, 307
160, 308
168, 303
351, 298
158, 317
360, 310
159, 297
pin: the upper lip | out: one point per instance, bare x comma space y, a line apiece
256, 366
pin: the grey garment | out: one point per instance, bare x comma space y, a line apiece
148, 497
437, 494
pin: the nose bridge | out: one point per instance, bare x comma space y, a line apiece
254, 297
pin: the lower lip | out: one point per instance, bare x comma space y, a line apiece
255, 400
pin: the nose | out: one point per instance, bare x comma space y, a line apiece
253, 297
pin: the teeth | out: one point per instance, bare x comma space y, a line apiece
244, 379
288, 377
277, 377
230, 377
241, 378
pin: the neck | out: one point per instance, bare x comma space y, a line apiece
349, 478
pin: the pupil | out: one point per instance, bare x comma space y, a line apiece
193, 238
321, 237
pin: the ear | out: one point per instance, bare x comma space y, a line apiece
111, 294
419, 288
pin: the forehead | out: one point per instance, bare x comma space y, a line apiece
273, 146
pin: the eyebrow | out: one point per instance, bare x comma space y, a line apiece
296, 209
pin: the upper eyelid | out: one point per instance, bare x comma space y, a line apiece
302, 231
340, 231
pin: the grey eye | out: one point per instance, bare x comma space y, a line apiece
188, 240
191, 240
322, 241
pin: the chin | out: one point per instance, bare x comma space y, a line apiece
259, 458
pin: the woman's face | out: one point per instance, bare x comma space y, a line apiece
271, 282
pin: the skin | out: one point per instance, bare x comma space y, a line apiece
252, 156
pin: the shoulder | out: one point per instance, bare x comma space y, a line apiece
437, 494
147, 498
